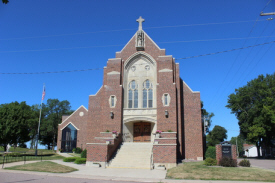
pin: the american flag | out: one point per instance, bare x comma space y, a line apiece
44, 93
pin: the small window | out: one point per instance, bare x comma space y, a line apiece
165, 99
112, 101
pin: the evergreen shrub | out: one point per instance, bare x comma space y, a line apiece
245, 163
210, 152
78, 150
228, 162
70, 159
13, 154
84, 154
210, 162
80, 161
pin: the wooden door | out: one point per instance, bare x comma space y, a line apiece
142, 132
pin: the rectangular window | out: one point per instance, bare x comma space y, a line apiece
135, 98
144, 104
150, 100
112, 101
130, 99
165, 99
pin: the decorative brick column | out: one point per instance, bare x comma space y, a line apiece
219, 153
165, 150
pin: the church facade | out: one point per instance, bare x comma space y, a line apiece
142, 100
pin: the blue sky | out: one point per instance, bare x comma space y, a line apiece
64, 35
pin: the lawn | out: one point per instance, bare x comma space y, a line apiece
44, 166
30, 151
198, 171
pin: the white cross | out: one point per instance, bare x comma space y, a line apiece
140, 20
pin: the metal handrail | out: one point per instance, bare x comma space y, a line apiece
152, 160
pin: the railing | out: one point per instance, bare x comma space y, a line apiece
152, 160
106, 160
19, 156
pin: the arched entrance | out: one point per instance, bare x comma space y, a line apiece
142, 132
69, 138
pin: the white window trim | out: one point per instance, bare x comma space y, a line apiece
168, 99
110, 101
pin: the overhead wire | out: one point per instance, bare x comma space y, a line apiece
218, 93
214, 53
119, 30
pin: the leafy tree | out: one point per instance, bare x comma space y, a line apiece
15, 119
217, 135
254, 107
240, 141
5, 1
54, 110
205, 113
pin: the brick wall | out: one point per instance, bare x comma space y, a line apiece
193, 139
79, 122
219, 152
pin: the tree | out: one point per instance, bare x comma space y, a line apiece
54, 110
209, 115
217, 135
254, 107
15, 121
5, 1
239, 140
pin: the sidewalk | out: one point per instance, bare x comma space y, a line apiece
116, 174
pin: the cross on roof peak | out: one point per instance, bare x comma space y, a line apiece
140, 20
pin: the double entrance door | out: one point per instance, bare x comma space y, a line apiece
142, 132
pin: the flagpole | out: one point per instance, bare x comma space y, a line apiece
37, 136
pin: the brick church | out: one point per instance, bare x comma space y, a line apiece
143, 116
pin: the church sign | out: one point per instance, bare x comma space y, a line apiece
226, 149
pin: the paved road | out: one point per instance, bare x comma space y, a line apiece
262, 163
30, 178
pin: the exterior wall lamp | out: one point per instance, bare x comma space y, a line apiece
112, 114
166, 114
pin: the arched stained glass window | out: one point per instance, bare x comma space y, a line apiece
133, 95
147, 94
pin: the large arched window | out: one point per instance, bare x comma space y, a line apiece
147, 94
133, 95
69, 138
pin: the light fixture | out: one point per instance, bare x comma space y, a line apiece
166, 114
112, 114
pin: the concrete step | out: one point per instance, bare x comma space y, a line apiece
133, 155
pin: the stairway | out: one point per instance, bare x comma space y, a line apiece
133, 155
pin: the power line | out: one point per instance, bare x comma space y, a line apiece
119, 30
85, 47
54, 72
214, 53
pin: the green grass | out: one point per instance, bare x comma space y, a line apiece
30, 158
44, 166
198, 171
75, 155
30, 151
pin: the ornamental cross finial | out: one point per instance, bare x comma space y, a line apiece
140, 20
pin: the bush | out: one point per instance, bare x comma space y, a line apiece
78, 150
80, 161
245, 163
70, 159
228, 162
84, 154
74, 149
210, 152
13, 154
210, 162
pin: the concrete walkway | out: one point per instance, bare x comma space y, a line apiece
136, 175
64, 154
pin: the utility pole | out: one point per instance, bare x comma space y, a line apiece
237, 146
267, 14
